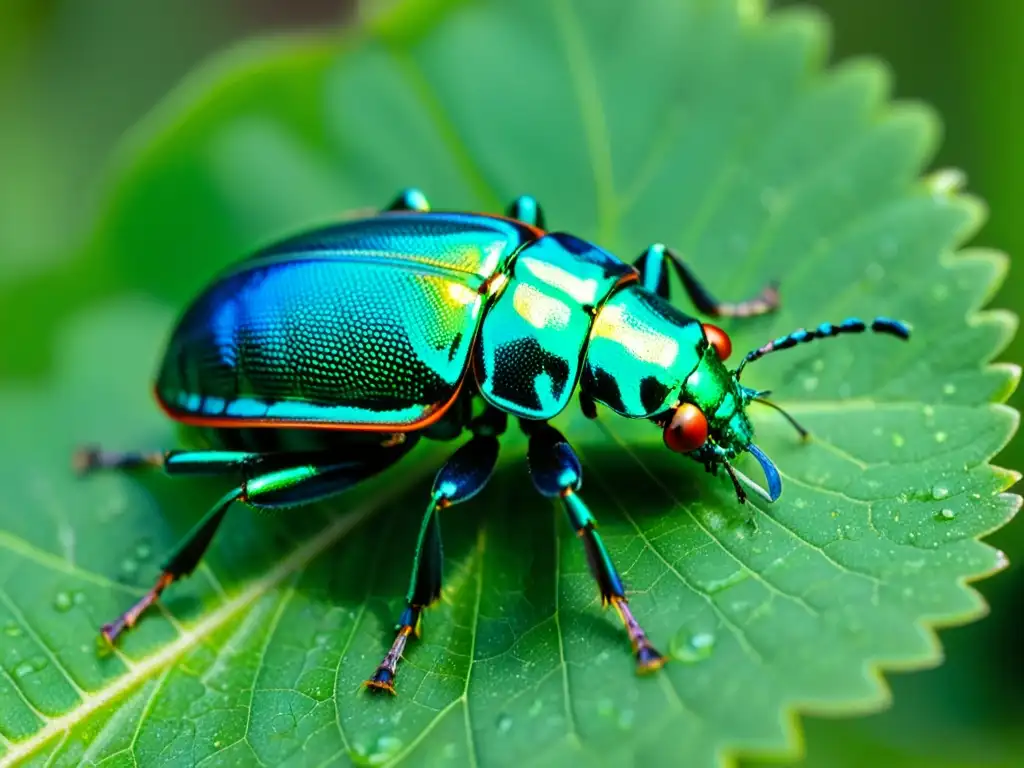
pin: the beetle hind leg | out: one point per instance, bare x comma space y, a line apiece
268, 481
654, 275
91, 458
556, 472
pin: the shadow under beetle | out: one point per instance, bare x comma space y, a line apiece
321, 360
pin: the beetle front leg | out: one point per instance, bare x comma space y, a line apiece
462, 477
556, 472
654, 276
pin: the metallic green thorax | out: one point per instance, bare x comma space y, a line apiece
645, 357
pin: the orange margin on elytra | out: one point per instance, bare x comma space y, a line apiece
195, 420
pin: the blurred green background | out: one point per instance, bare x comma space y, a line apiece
76, 74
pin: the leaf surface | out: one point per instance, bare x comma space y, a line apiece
701, 124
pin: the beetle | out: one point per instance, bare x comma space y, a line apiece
322, 359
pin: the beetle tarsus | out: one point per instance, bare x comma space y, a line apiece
130, 618
89, 458
648, 658
383, 678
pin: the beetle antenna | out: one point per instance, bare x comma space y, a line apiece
804, 434
824, 331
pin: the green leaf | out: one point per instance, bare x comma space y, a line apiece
699, 123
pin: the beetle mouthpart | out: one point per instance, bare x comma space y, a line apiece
771, 474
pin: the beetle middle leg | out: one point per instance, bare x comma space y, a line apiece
653, 273
556, 472
269, 481
526, 209
463, 476
411, 199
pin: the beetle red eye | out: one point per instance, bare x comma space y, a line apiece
718, 339
688, 429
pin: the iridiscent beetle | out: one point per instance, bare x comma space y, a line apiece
320, 361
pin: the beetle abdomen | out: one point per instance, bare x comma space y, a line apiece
641, 351
338, 328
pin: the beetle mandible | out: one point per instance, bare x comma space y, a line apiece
321, 360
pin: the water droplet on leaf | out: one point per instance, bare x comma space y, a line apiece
282, 723
26, 668
898, 440
143, 550
62, 602
940, 437
939, 492
504, 724
12, 630
691, 647
949, 389
945, 514
380, 752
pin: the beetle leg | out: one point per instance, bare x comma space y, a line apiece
526, 209
654, 276
411, 199
462, 477
588, 405
282, 486
556, 472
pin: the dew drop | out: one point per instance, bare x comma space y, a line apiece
799, 503
504, 724
535, 708
929, 411
282, 723
811, 383
875, 271
78, 597
940, 437
380, 752
939, 492
877, 431
322, 639
818, 365
26, 668
1001, 559
949, 389
898, 440
691, 647
62, 602
945, 514
129, 566
12, 630
605, 707
143, 550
